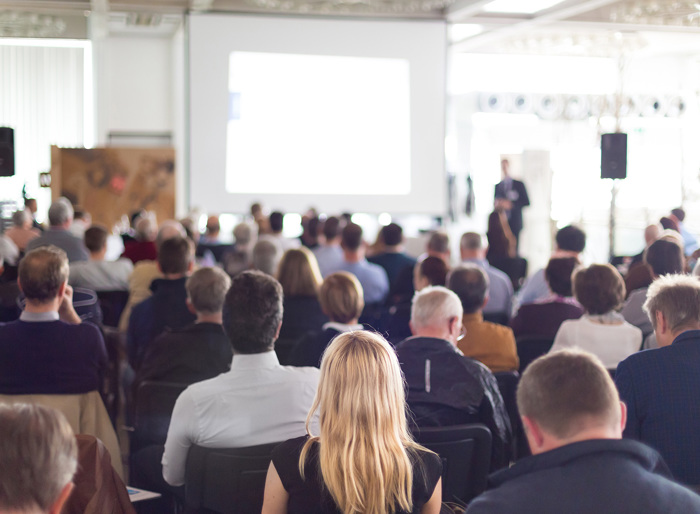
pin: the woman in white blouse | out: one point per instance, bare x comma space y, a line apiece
602, 330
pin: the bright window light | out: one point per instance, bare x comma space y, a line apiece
520, 6
462, 31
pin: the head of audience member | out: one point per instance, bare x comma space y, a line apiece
39, 456
145, 228
243, 235
566, 397
169, 229
252, 312
599, 288
431, 271
471, 247
352, 243
61, 214
276, 222
391, 237
664, 257
471, 285
436, 312
679, 214
673, 306
361, 379
311, 225
342, 298
206, 290
558, 275
505, 168
191, 229
82, 215
439, 246
22, 219
175, 258
266, 256
298, 273
30, 203
134, 217
669, 224
571, 240
43, 276
651, 234
213, 227
332, 230
95, 239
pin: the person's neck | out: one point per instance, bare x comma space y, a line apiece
97, 256
597, 432
435, 333
174, 276
353, 256
687, 328
393, 249
472, 255
216, 317
36, 307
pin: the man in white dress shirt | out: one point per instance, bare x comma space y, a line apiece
258, 401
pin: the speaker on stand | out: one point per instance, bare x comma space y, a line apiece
613, 165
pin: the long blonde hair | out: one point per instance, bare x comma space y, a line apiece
364, 441
298, 273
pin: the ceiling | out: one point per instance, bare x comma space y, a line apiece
571, 27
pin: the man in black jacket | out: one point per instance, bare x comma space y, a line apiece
511, 196
573, 420
445, 388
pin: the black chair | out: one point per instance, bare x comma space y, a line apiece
531, 347
508, 385
112, 304
465, 451
501, 318
112, 393
226, 481
514, 267
153, 408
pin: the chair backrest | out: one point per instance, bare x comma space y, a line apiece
508, 385
226, 481
531, 347
112, 304
153, 408
514, 267
465, 451
502, 318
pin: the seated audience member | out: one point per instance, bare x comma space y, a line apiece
364, 458
430, 271
639, 274
210, 242
143, 246
489, 343
664, 256
580, 464
48, 350
97, 273
266, 256
238, 257
690, 242
81, 221
500, 287
258, 401
31, 206
21, 231
275, 236
373, 278
301, 280
39, 457
446, 388
601, 330
342, 302
60, 219
167, 308
311, 224
198, 351
570, 242
439, 246
543, 318
329, 254
661, 387
392, 258
502, 243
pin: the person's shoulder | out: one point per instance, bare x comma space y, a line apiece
498, 330
302, 373
290, 446
499, 275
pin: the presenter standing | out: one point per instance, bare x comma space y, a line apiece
510, 197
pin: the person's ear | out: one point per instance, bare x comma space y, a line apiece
190, 307
661, 324
19, 285
62, 289
623, 417
413, 330
57, 506
277, 332
190, 267
534, 434
486, 300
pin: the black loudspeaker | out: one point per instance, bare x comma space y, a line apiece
7, 152
613, 155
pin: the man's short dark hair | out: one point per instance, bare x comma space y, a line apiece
276, 222
470, 283
352, 237
558, 274
392, 234
331, 228
571, 238
252, 312
664, 257
42, 272
439, 242
95, 238
175, 255
678, 213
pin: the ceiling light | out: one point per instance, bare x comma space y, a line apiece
520, 6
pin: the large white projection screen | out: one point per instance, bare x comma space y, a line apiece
342, 115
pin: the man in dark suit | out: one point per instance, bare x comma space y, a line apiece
511, 196
661, 387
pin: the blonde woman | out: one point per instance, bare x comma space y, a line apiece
364, 460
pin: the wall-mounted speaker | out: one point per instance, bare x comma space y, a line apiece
613, 156
7, 152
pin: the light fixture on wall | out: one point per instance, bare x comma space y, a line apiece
26, 24
355, 6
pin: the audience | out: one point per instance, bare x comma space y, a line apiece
31, 206
283, 244
502, 242
430, 271
601, 330
341, 300
373, 278
489, 343
258, 401
446, 388
9, 293
97, 273
21, 231
329, 254
9, 250
39, 457
142, 247
392, 257
661, 387
690, 243
209, 242
364, 458
439, 246
60, 219
266, 255
573, 421
638, 274
48, 350
544, 317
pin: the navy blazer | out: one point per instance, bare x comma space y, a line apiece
661, 388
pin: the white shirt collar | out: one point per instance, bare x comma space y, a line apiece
39, 316
341, 327
255, 360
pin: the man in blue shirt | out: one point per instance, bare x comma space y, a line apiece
661, 387
373, 278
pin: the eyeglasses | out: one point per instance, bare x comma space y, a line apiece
462, 333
